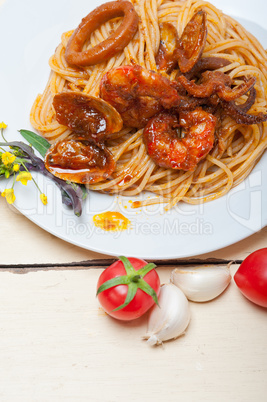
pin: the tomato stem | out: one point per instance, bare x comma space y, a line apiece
136, 278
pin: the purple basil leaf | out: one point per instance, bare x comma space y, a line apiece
28, 151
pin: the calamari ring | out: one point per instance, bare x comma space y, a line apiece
113, 44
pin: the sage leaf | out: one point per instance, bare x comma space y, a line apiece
38, 142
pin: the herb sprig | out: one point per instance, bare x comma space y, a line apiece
20, 160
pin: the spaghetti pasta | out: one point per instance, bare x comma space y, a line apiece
237, 147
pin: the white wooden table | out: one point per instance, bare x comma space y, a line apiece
57, 344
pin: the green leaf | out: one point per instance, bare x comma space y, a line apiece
127, 265
132, 289
145, 287
118, 280
38, 142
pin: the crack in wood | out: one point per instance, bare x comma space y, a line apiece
103, 263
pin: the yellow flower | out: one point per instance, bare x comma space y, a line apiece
8, 158
8, 193
16, 167
3, 125
24, 177
43, 198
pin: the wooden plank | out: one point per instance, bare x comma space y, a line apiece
57, 344
22, 242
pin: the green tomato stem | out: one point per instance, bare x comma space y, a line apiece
136, 278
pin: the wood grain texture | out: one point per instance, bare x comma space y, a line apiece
18, 235
57, 344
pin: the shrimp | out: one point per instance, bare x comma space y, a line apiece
137, 94
168, 150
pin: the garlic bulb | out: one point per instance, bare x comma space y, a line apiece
201, 284
170, 319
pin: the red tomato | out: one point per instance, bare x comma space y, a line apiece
115, 296
251, 277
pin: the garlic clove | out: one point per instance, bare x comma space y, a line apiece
201, 284
171, 318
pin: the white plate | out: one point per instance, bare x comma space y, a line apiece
30, 31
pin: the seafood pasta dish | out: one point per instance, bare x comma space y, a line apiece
163, 96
